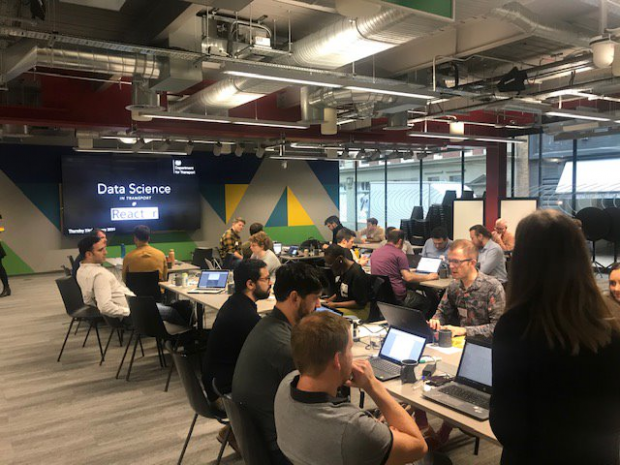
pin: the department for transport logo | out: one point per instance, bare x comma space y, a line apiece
183, 168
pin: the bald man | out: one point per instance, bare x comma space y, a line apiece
502, 237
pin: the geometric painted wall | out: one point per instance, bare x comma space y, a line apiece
293, 204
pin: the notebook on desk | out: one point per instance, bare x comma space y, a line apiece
470, 392
211, 282
397, 346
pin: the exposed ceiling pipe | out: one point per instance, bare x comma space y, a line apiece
557, 31
330, 48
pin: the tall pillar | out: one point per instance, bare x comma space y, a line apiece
496, 182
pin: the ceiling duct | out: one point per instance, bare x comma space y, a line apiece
309, 113
397, 122
529, 22
143, 99
337, 45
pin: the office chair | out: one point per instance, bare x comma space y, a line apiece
596, 225
77, 310
147, 322
145, 283
380, 291
195, 395
614, 232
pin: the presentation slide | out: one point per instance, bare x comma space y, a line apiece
116, 194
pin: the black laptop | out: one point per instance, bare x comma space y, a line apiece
407, 318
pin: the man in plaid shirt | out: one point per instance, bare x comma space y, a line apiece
474, 302
230, 242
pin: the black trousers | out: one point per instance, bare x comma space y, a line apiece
4, 278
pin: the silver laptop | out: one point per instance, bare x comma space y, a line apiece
277, 248
211, 282
398, 345
470, 392
428, 265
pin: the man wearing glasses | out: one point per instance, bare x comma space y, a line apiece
474, 302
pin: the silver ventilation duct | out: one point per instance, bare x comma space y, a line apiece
557, 31
342, 43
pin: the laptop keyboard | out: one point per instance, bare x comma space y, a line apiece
466, 395
379, 364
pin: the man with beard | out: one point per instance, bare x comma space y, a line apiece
266, 357
316, 424
234, 321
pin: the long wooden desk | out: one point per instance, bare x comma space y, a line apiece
295, 258
178, 267
375, 245
214, 301
412, 393
439, 284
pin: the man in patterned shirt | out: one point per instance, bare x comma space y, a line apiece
230, 242
474, 302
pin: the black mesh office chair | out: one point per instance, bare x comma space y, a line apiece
200, 257
144, 283
596, 225
380, 291
195, 395
77, 310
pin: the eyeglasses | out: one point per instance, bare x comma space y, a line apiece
458, 262
267, 279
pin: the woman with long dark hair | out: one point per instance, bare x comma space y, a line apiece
556, 353
4, 278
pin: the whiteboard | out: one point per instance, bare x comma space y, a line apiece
467, 213
514, 210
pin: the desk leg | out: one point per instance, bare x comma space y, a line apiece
200, 313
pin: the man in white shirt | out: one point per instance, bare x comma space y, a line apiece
100, 287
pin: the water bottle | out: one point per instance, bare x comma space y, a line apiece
122, 250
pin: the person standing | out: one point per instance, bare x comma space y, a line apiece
556, 352
4, 277
334, 225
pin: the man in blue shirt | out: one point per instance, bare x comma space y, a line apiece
490, 255
437, 246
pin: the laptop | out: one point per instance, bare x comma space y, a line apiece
409, 319
331, 310
428, 265
277, 248
293, 250
413, 260
398, 345
211, 282
470, 392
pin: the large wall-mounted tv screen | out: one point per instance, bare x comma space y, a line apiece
118, 193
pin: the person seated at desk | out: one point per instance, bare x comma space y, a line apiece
230, 242
612, 296
144, 258
265, 358
501, 235
262, 249
352, 284
556, 353
438, 244
316, 424
101, 289
392, 262
334, 225
372, 232
474, 301
407, 247
245, 247
234, 321
95, 232
490, 255
345, 239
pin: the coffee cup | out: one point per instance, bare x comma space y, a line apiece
445, 338
178, 280
443, 273
407, 371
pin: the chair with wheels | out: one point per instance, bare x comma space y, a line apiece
77, 310
195, 395
147, 322
144, 283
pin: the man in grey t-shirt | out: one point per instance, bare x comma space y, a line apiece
316, 425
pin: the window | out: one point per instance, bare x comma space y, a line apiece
347, 193
370, 193
403, 189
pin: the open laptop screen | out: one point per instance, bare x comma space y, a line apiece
475, 368
400, 345
277, 248
213, 279
428, 265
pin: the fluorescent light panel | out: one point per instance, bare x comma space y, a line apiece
268, 77
433, 135
128, 151
391, 92
576, 115
224, 120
